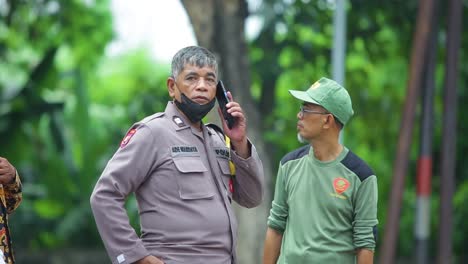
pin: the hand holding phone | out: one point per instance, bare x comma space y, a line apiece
221, 96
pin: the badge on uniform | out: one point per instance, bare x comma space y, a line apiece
178, 121
127, 137
340, 185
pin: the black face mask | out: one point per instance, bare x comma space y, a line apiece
193, 111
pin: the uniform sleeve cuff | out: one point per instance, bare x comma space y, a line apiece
252, 151
131, 256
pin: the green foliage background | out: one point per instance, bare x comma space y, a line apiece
65, 105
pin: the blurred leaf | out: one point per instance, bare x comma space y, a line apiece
49, 209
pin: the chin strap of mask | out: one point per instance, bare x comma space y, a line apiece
232, 167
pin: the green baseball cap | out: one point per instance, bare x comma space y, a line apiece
331, 96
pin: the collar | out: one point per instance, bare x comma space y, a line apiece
338, 159
178, 120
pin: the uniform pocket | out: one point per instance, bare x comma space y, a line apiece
226, 174
224, 166
193, 178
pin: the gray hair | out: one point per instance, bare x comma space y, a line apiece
193, 55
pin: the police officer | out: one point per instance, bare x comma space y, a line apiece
179, 170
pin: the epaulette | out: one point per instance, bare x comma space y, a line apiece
216, 128
151, 117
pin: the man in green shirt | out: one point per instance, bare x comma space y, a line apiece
325, 204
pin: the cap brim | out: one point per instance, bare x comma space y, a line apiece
303, 96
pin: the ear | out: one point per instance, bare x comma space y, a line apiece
170, 83
328, 121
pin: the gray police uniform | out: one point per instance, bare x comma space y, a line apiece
180, 177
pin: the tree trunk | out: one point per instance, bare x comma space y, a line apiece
219, 27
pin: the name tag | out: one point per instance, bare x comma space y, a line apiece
184, 151
222, 153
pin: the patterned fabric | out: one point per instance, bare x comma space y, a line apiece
11, 196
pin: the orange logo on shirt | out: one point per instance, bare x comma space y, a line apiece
340, 185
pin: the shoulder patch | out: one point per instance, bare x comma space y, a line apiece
296, 154
128, 136
357, 165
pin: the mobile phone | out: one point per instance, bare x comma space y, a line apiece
221, 96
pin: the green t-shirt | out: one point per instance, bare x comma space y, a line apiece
325, 210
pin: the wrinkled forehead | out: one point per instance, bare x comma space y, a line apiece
191, 69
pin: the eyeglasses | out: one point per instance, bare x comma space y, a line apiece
304, 111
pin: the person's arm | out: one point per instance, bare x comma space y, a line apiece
11, 182
249, 179
276, 221
272, 246
124, 173
238, 133
365, 256
13, 194
365, 218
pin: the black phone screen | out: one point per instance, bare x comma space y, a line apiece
221, 96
